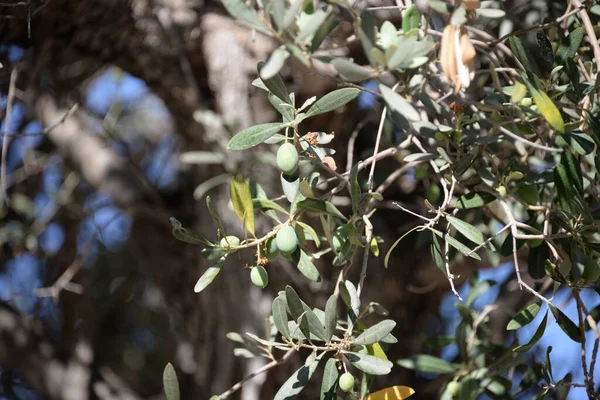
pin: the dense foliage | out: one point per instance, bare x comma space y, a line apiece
505, 133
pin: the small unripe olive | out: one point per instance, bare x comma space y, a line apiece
259, 276
229, 241
287, 158
286, 240
453, 387
347, 382
526, 102
502, 190
271, 250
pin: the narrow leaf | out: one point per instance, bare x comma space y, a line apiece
369, 364
296, 383
547, 108
392, 393
375, 333
330, 317
239, 192
525, 316
274, 64
329, 383
429, 364
244, 14
399, 104
566, 324
294, 303
332, 100
209, 275
185, 235
351, 71
268, 205
474, 200
468, 230
539, 332
456, 244
410, 19
170, 383
308, 269
275, 85
254, 135
280, 318
320, 207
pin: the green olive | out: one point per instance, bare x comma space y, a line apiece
526, 102
287, 158
271, 250
453, 387
286, 240
347, 382
229, 241
259, 276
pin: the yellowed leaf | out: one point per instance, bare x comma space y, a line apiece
392, 393
548, 109
239, 192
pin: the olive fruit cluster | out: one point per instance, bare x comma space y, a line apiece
287, 158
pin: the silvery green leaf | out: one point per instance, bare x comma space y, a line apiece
274, 63
370, 364
399, 104
296, 383
170, 383
308, 24
351, 71
375, 333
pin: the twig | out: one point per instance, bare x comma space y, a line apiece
527, 142
5, 139
589, 384
259, 371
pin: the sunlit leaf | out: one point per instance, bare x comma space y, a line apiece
368, 363
275, 85
525, 316
332, 101
399, 104
244, 14
392, 393
170, 383
308, 269
329, 383
468, 230
209, 275
254, 135
547, 108
239, 192
456, 244
274, 64
296, 383
375, 333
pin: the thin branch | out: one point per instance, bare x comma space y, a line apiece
5, 140
265, 368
